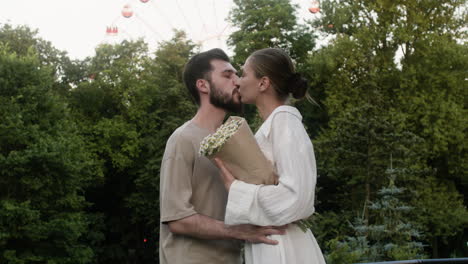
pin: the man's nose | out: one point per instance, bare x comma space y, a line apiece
236, 80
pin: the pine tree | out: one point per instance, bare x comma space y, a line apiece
389, 234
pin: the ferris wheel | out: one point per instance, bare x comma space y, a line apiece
155, 21
204, 21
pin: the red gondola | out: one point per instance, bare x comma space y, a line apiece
127, 11
112, 30
314, 7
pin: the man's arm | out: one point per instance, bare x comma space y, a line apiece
205, 227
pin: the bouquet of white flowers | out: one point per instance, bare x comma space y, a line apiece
234, 143
212, 143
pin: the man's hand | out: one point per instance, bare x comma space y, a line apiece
256, 234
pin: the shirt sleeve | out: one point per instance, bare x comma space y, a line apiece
293, 198
176, 182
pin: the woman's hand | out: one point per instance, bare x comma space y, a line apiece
225, 174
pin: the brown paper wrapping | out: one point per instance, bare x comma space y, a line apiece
243, 158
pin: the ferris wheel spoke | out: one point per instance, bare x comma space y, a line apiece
159, 10
200, 16
183, 15
151, 20
159, 36
215, 16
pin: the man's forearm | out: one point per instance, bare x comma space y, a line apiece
205, 227
201, 226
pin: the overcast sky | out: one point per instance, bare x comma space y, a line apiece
78, 26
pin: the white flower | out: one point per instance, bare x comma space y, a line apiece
213, 142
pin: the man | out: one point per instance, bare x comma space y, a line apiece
192, 196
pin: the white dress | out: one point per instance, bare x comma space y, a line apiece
285, 142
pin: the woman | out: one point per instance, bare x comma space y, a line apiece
267, 81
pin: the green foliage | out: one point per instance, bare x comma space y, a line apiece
168, 105
342, 253
394, 84
268, 24
81, 141
22, 40
439, 210
44, 168
390, 236
433, 92
127, 112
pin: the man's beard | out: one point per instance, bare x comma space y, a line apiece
218, 99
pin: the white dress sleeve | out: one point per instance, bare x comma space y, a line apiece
293, 198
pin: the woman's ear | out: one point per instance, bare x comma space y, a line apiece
264, 83
203, 86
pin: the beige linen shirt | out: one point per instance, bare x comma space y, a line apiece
190, 184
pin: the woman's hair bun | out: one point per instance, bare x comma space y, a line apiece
297, 85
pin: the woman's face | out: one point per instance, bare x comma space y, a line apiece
249, 84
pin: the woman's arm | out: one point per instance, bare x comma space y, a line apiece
293, 198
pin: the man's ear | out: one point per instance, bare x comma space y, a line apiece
264, 83
203, 86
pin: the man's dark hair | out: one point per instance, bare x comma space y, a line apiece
199, 67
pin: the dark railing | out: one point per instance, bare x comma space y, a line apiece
432, 261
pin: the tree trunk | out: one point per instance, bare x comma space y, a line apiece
435, 251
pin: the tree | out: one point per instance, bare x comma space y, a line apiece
44, 168
101, 103
163, 105
440, 214
391, 63
391, 235
22, 40
128, 110
267, 24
